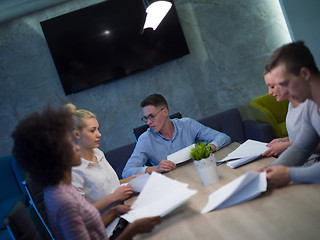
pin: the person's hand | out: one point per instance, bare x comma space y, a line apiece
278, 175
276, 140
119, 210
260, 169
133, 176
123, 192
145, 225
213, 147
128, 179
114, 213
276, 149
165, 166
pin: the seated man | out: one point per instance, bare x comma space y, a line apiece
293, 68
166, 136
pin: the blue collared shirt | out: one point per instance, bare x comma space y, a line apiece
154, 147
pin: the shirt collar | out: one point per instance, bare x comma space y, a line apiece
175, 133
99, 156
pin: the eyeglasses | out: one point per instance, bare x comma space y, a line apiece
151, 116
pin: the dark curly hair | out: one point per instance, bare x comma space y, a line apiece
42, 146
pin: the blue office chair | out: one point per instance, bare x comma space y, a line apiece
20, 224
35, 193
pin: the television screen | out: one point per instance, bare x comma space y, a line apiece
105, 41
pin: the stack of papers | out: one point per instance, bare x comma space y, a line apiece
159, 196
246, 152
243, 188
181, 155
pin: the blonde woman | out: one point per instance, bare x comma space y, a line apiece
293, 122
94, 178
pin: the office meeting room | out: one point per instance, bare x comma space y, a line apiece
159, 119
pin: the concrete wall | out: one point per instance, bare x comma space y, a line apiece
229, 40
303, 22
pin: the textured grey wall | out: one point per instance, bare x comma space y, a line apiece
229, 40
303, 21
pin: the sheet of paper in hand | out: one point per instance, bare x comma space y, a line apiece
242, 189
159, 196
181, 155
139, 182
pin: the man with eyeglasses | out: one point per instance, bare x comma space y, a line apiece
165, 136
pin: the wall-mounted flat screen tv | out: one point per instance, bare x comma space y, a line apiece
104, 42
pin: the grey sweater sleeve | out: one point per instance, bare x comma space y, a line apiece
306, 141
309, 174
293, 156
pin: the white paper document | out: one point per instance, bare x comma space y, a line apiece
138, 183
242, 189
181, 155
246, 152
159, 196
241, 161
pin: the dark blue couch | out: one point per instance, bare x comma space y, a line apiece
230, 122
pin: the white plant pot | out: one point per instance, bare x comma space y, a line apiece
207, 169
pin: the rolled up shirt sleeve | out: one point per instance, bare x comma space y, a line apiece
309, 174
137, 161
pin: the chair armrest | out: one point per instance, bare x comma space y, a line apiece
258, 131
263, 114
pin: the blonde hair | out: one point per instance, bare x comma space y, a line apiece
78, 116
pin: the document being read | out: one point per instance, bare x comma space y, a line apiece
246, 152
242, 189
138, 183
181, 155
159, 196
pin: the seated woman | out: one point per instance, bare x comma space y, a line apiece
43, 147
95, 179
293, 123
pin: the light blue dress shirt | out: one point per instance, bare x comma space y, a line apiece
154, 147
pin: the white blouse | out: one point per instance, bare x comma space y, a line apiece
294, 120
294, 125
95, 180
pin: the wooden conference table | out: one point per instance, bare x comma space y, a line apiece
291, 212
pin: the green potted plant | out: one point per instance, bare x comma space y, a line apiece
205, 162
200, 151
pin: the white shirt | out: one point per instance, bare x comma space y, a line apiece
294, 120
294, 123
95, 180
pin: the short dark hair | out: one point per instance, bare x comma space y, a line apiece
42, 147
294, 55
155, 100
